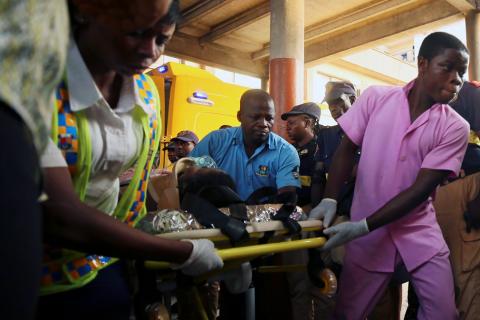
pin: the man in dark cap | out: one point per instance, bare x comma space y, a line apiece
339, 95
171, 149
185, 141
302, 128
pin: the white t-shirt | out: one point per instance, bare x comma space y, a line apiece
116, 137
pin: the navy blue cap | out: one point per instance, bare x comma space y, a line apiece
309, 108
186, 136
170, 146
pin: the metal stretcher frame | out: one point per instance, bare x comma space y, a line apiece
234, 256
256, 231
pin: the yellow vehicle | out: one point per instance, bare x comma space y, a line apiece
194, 99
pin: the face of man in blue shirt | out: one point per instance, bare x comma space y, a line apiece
256, 116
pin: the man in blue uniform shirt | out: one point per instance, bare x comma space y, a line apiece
252, 154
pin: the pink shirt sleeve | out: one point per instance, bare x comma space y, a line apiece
354, 121
449, 153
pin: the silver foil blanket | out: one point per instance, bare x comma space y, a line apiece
266, 212
169, 220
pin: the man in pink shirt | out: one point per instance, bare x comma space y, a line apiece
411, 141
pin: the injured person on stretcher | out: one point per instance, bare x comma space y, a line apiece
206, 198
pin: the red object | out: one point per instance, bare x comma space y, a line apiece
282, 90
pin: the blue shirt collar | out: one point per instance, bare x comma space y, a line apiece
237, 139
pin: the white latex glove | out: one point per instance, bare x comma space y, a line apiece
202, 259
325, 210
344, 232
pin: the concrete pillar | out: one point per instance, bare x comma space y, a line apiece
472, 21
265, 83
286, 56
266, 78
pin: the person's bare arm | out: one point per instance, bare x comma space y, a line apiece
70, 223
402, 204
426, 182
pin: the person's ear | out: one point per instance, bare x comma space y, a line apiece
352, 99
422, 65
239, 116
307, 122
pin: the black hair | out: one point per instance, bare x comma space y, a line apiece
314, 124
173, 16
196, 179
435, 43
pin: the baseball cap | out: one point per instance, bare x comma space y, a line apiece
169, 146
309, 108
335, 90
186, 136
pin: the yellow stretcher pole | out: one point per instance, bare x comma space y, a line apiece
254, 250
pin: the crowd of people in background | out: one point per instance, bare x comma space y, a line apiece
396, 181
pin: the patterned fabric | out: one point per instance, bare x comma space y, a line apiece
81, 267
33, 45
54, 271
51, 273
145, 92
67, 128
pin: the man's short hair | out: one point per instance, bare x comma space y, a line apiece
435, 43
256, 94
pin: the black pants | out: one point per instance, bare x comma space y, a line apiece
20, 214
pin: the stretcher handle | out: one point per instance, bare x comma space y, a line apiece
256, 230
254, 251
